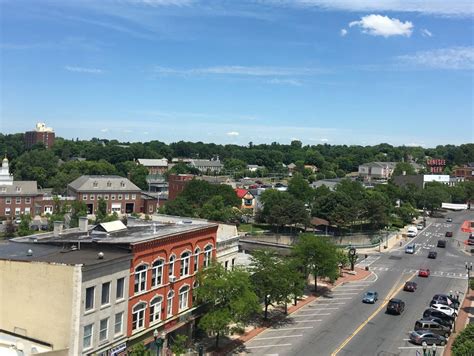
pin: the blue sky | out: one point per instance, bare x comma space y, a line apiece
321, 71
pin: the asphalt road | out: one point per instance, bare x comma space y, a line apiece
340, 324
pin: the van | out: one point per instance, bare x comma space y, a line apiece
410, 249
433, 326
412, 231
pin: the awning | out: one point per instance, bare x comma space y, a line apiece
467, 226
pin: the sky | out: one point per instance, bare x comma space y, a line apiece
355, 72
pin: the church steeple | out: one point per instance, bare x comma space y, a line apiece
5, 177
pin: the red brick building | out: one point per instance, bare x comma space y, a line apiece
177, 183
120, 194
41, 134
466, 172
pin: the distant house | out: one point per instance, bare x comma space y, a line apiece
207, 165
154, 166
247, 198
466, 172
330, 183
254, 167
311, 167
291, 168
376, 170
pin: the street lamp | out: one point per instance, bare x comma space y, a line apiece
468, 270
159, 340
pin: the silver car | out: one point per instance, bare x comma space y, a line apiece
420, 336
370, 297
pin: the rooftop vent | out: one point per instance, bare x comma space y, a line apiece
29, 252
100, 255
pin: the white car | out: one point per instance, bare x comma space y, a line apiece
420, 226
445, 309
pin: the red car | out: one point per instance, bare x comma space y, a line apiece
410, 286
424, 272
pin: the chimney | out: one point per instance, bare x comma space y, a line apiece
83, 224
58, 228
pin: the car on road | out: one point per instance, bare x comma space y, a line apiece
432, 254
410, 286
449, 234
370, 297
420, 336
470, 240
433, 326
430, 313
446, 300
412, 231
395, 306
441, 243
445, 309
420, 226
449, 219
423, 272
410, 249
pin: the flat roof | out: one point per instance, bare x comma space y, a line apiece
87, 255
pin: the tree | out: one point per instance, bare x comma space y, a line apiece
229, 298
24, 227
139, 350
300, 189
101, 212
378, 209
318, 256
464, 343
179, 345
432, 197
403, 168
78, 209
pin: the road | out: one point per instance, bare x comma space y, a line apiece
339, 324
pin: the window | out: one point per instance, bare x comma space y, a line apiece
122, 184
140, 279
138, 316
92, 196
112, 196
106, 197
248, 202
196, 259
169, 304
90, 298
95, 184
226, 265
134, 196
18, 200
84, 196
109, 184
7, 211
127, 196
171, 266
150, 209
119, 293
183, 298
27, 211
28, 200
119, 197
207, 255
17, 211
4, 189
118, 326
18, 189
105, 299
157, 273
155, 309
104, 329
185, 257
8, 200
233, 263
87, 338
99, 196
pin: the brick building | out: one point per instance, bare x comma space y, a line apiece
466, 172
41, 134
120, 194
154, 166
177, 183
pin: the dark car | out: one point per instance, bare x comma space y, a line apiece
470, 240
441, 243
432, 254
410, 286
449, 220
440, 321
449, 234
444, 299
433, 326
420, 336
428, 313
395, 306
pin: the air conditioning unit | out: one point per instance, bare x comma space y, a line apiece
172, 279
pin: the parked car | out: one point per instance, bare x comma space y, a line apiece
445, 309
423, 272
420, 226
370, 297
410, 286
445, 299
449, 234
441, 321
441, 243
428, 313
410, 249
449, 219
433, 326
470, 240
432, 254
395, 306
420, 336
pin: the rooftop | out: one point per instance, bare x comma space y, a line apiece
162, 162
102, 183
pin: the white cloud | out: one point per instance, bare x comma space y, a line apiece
378, 25
446, 58
255, 71
104, 130
343, 32
426, 33
324, 140
232, 133
293, 82
432, 7
83, 70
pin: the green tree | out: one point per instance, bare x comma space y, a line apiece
318, 256
139, 350
300, 189
403, 168
378, 209
24, 227
432, 197
229, 298
179, 345
463, 344
78, 209
101, 212
234, 165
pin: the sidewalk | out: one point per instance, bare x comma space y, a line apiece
466, 314
323, 287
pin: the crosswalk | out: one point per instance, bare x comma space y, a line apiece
410, 271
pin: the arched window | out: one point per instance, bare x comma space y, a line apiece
207, 256
171, 266
138, 316
157, 273
183, 298
197, 251
140, 278
169, 304
155, 309
184, 270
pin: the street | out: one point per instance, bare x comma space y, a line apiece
340, 324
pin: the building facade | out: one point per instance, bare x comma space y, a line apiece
177, 183
154, 166
41, 134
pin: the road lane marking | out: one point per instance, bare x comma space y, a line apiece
418, 347
342, 293
392, 292
313, 309
277, 337
264, 346
300, 316
319, 304
296, 328
307, 321
343, 298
